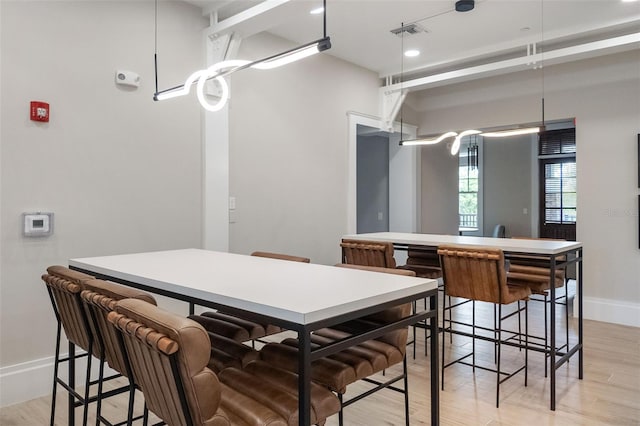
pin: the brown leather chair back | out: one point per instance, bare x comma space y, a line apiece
397, 338
64, 286
100, 298
416, 256
281, 256
368, 253
169, 356
475, 273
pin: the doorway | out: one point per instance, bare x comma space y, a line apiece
401, 212
372, 175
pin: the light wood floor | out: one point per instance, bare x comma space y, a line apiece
608, 395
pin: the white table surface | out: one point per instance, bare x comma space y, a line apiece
298, 292
514, 245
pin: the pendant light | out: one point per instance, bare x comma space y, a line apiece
222, 69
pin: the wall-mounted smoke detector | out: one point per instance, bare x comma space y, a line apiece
407, 30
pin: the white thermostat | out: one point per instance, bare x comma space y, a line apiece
37, 224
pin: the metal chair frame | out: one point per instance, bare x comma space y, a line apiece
496, 339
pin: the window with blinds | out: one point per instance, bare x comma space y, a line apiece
557, 150
560, 191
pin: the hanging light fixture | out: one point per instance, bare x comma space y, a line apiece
455, 147
429, 140
511, 132
222, 69
463, 6
426, 140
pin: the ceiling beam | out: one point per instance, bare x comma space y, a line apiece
558, 56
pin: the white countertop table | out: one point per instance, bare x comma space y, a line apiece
551, 249
298, 296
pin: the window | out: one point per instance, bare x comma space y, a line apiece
560, 191
468, 185
558, 188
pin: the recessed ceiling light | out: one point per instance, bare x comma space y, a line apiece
628, 1
411, 53
317, 10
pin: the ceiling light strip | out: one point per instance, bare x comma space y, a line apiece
222, 69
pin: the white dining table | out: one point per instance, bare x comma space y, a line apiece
559, 254
296, 296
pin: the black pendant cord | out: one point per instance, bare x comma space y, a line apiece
324, 19
401, 75
542, 47
155, 50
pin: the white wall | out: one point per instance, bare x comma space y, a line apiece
288, 151
604, 96
507, 185
120, 172
439, 190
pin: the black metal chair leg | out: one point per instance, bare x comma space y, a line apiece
473, 338
526, 341
406, 390
99, 398
56, 362
85, 410
340, 413
546, 337
499, 350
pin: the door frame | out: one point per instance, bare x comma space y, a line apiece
405, 187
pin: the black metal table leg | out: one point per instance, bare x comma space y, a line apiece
435, 390
580, 330
304, 377
552, 343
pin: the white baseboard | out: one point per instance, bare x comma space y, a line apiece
34, 379
609, 310
25, 381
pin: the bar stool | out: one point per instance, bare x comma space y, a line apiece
99, 298
426, 264
169, 355
236, 327
355, 363
64, 287
479, 274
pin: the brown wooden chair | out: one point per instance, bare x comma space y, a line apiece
64, 287
359, 362
368, 253
99, 298
169, 354
478, 274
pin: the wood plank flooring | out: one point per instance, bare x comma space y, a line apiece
608, 395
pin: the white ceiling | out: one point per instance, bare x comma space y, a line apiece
494, 30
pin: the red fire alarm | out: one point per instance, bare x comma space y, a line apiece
39, 111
